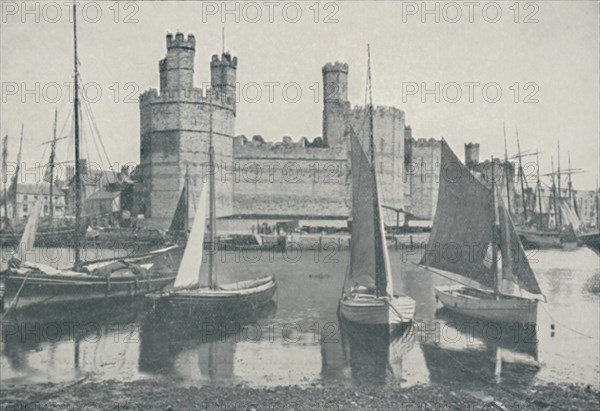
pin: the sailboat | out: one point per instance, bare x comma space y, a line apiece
368, 295
28, 282
472, 232
188, 291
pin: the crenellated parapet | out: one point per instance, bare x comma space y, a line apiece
425, 142
225, 60
257, 147
180, 41
378, 111
194, 96
335, 67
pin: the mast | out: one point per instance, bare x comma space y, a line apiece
212, 274
77, 165
558, 179
4, 175
379, 266
539, 190
52, 155
572, 199
497, 273
506, 176
521, 177
554, 197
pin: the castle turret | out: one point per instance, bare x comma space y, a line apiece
335, 103
177, 68
471, 154
223, 74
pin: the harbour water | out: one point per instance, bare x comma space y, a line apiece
298, 339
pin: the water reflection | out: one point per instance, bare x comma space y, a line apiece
464, 350
374, 352
167, 335
300, 341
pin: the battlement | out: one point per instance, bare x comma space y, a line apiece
425, 142
180, 41
194, 95
335, 67
381, 111
258, 148
225, 60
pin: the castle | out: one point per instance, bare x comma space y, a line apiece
264, 181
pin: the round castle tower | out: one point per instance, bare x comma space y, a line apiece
174, 127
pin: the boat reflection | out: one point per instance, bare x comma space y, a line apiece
66, 339
209, 344
374, 353
464, 350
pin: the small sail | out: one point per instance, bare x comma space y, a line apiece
515, 266
28, 237
569, 216
178, 223
463, 223
187, 275
369, 264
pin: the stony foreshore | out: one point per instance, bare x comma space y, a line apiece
154, 395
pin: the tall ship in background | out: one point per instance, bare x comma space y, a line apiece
550, 221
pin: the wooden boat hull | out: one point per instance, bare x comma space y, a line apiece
544, 240
41, 288
464, 300
34, 286
369, 309
229, 298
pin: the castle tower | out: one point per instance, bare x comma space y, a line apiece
471, 154
223, 74
174, 126
335, 103
177, 68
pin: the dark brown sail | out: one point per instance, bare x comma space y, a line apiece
463, 224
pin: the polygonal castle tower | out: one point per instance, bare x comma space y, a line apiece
335, 103
174, 127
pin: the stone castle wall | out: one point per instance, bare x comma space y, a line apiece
287, 180
422, 176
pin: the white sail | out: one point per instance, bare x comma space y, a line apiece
28, 237
569, 216
187, 275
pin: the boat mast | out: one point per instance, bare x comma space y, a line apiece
554, 197
212, 274
572, 198
76, 126
521, 177
4, 175
539, 190
559, 192
380, 287
497, 273
186, 187
52, 155
506, 165
16, 176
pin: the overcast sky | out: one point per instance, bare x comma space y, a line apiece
555, 62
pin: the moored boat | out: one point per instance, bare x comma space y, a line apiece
368, 296
29, 282
472, 222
